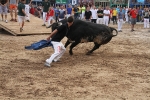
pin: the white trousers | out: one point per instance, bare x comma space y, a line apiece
126, 16
49, 20
120, 23
83, 13
44, 17
146, 22
59, 50
106, 20
27, 8
99, 20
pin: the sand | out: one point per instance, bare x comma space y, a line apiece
119, 70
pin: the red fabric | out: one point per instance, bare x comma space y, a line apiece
133, 13
32, 11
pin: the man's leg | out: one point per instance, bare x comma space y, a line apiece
27, 12
62, 51
57, 49
11, 12
44, 18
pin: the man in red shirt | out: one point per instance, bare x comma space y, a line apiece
50, 15
133, 14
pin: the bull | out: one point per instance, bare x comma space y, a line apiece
81, 32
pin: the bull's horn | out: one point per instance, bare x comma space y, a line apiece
115, 30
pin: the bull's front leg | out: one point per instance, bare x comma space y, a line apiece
96, 46
67, 43
72, 46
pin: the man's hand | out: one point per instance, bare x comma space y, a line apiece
48, 38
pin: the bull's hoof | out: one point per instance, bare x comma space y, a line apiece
70, 52
88, 53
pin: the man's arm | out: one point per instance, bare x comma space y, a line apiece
54, 32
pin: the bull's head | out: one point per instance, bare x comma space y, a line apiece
56, 25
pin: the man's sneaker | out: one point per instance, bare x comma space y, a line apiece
43, 25
21, 29
6, 21
47, 64
15, 20
48, 26
28, 20
12, 20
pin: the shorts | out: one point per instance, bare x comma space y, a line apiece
133, 21
3, 10
12, 6
21, 19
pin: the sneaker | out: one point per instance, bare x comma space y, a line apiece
21, 29
15, 20
132, 30
48, 26
6, 21
43, 25
28, 20
12, 20
47, 64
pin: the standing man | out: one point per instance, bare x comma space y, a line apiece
146, 18
62, 13
114, 15
13, 6
120, 19
83, 11
94, 14
88, 14
21, 14
133, 14
126, 14
106, 15
45, 5
3, 9
69, 11
100, 16
75, 12
57, 35
27, 9
50, 16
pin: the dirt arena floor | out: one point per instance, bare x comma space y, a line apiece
119, 70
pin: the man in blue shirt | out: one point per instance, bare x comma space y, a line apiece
69, 11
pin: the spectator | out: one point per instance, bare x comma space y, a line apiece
88, 14
13, 6
120, 19
75, 12
45, 5
146, 18
79, 12
69, 11
21, 14
56, 14
114, 15
100, 16
3, 9
106, 16
83, 11
27, 9
62, 13
94, 14
50, 16
133, 14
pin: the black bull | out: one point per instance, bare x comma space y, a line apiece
82, 31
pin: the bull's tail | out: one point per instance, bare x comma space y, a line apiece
112, 29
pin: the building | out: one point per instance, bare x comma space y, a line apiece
102, 3
121, 3
139, 3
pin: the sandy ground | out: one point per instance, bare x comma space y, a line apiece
119, 70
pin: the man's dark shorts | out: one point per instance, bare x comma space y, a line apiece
133, 21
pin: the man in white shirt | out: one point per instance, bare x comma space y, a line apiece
94, 14
106, 15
